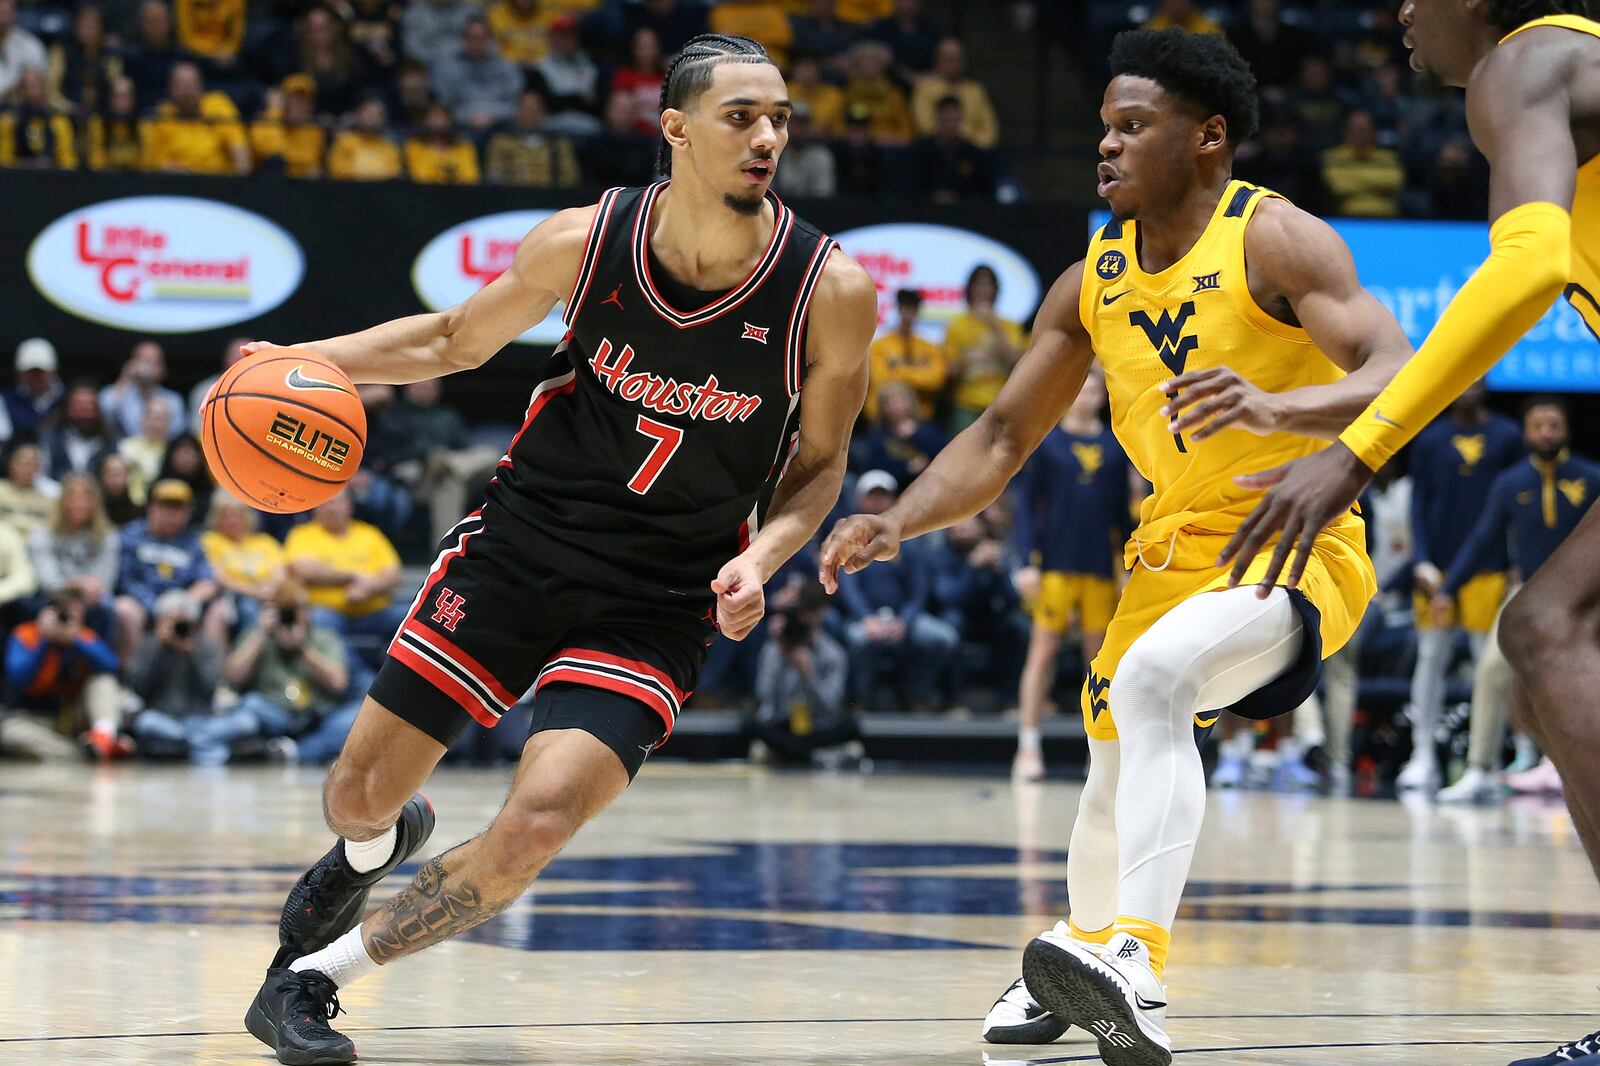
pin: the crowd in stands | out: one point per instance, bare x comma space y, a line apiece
540, 93
1346, 128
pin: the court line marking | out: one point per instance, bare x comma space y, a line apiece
1297, 1047
860, 1021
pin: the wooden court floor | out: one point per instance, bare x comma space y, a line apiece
722, 915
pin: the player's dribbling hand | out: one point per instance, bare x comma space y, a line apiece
855, 544
257, 346
740, 599
1206, 401
1302, 498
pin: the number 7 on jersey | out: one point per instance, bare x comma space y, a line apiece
667, 439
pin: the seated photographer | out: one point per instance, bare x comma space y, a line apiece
800, 685
61, 678
175, 671
291, 676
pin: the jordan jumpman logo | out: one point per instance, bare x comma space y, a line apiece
614, 298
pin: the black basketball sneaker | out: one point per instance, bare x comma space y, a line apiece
330, 898
290, 1015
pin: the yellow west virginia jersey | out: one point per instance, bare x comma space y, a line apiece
1584, 290
1147, 329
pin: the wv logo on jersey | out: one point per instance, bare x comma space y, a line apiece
1470, 449
1091, 457
1574, 489
1166, 335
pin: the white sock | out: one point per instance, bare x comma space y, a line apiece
1028, 739
364, 856
343, 961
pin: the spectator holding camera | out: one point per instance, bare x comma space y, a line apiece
291, 676
800, 685
136, 388
61, 677
175, 670
159, 555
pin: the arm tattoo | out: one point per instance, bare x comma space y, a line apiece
432, 908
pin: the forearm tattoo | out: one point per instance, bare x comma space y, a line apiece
434, 907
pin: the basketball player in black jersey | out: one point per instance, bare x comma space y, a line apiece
666, 467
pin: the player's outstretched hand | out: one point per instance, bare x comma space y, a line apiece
1205, 401
855, 544
257, 346
740, 599
1302, 497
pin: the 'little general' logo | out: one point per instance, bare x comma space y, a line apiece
165, 264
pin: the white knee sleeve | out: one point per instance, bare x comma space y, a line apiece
1207, 653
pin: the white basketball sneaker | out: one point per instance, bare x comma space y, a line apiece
1421, 773
1476, 785
1017, 1018
1113, 993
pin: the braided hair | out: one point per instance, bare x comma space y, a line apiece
1507, 15
689, 74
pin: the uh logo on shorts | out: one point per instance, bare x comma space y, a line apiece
449, 608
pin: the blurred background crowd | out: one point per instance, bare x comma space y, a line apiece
560, 94
145, 610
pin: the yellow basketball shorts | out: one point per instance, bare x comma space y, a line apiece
1089, 598
1338, 582
1475, 605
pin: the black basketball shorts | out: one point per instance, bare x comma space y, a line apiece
491, 625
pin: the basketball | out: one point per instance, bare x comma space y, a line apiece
283, 430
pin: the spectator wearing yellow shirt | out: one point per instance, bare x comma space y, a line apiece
525, 154
825, 100
113, 136
195, 132
981, 347
870, 87
1363, 180
212, 29
287, 139
439, 156
248, 564
765, 20
864, 11
33, 132
351, 569
364, 152
903, 357
1183, 15
949, 78
522, 29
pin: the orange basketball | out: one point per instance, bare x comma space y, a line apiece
283, 429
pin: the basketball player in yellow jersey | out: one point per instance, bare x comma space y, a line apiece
1531, 69
1249, 312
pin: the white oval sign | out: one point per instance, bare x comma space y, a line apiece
467, 256
165, 264
936, 261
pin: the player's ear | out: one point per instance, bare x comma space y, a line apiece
1214, 134
675, 127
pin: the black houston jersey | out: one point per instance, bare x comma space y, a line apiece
654, 440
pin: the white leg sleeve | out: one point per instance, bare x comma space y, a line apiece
1092, 855
1208, 652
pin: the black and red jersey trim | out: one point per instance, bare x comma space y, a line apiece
794, 344
591, 254
782, 226
543, 393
